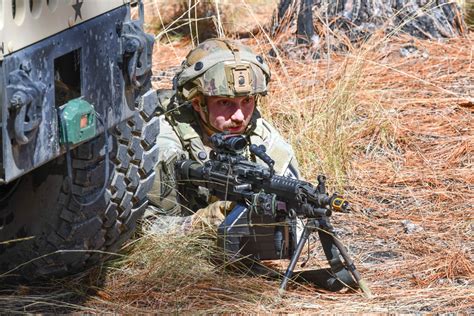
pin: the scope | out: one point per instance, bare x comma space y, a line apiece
228, 142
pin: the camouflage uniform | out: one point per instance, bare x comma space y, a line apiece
214, 68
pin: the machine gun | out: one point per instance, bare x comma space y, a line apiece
275, 201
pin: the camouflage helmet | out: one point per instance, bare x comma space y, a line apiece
222, 68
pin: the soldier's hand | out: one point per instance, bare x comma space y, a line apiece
211, 216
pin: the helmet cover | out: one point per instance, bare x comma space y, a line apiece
222, 68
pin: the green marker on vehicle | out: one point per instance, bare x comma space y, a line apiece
78, 121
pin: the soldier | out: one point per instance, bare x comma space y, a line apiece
218, 88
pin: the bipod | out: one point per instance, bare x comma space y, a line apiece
341, 272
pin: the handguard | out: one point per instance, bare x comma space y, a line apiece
274, 201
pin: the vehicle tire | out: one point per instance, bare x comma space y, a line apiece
45, 232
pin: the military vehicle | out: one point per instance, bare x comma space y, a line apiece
78, 132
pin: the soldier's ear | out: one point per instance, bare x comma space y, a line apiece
196, 104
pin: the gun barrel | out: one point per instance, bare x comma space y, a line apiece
312, 212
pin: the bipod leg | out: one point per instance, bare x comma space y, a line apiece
308, 229
327, 233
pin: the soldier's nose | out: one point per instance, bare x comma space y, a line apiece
238, 116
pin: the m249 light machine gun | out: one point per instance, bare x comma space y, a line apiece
262, 224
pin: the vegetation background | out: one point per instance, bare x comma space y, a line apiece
389, 121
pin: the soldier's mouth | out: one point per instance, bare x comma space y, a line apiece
235, 129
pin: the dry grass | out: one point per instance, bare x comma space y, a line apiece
201, 19
396, 133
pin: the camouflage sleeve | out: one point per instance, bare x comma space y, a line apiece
164, 196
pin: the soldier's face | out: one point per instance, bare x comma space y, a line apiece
228, 114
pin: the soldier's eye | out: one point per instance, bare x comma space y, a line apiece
225, 102
247, 101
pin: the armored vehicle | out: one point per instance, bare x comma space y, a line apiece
77, 131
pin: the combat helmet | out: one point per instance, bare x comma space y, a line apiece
218, 67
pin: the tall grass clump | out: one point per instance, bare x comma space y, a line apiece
324, 109
338, 113
178, 272
167, 260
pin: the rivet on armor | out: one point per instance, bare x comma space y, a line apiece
198, 66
